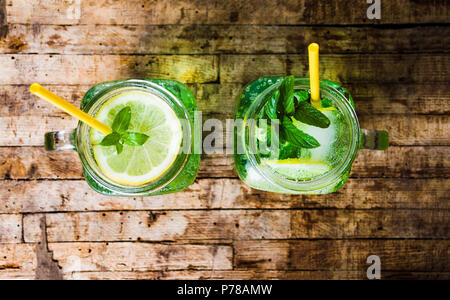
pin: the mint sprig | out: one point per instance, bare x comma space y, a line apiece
120, 135
285, 104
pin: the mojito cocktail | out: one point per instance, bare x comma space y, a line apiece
298, 148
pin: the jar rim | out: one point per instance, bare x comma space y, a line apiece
85, 149
321, 181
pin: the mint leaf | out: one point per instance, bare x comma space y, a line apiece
287, 94
301, 96
110, 139
271, 105
122, 120
308, 114
134, 138
119, 148
297, 137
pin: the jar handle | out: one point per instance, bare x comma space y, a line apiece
60, 140
374, 139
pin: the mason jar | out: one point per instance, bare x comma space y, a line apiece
177, 177
254, 173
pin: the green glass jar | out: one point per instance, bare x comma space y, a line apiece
326, 171
180, 174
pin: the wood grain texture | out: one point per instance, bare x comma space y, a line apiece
231, 275
395, 204
211, 39
218, 100
371, 193
17, 261
420, 119
3, 19
395, 162
355, 68
53, 69
370, 98
140, 256
10, 228
396, 255
223, 12
35, 163
254, 275
405, 130
239, 225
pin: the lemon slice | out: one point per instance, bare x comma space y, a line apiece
327, 108
297, 168
137, 165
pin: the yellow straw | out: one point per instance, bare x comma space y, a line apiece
313, 51
59, 102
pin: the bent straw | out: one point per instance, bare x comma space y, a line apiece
59, 102
313, 52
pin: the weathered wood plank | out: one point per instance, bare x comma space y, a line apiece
371, 224
405, 130
229, 275
355, 68
395, 255
410, 129
91, 69
395, 162
207, 39
3, 20
59, 196
159, 226
36, 163
30, 131
223, 12
10, 229
253, 275
218, 100
398, 162
370, 98
399, 98
20, 263
140, 257
239, 225
17, 261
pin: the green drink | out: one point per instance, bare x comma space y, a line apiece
150, 149
314, 148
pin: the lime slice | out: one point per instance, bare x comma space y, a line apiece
137, 165
297, 168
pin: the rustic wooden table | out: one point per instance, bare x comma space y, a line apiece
396, 204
